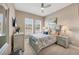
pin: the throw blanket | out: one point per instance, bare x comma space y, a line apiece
40, 41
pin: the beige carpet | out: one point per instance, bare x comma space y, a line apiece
51, 50
28, 50
58, 50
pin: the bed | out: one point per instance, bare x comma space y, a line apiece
40, 41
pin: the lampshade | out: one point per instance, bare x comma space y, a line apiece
64, 28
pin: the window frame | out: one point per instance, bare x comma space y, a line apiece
25, 26
39, 24
33, 25
5, 13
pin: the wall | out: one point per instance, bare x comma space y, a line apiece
67, 16
11, 14
20, 16
1, 9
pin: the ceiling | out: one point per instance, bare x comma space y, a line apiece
35, 8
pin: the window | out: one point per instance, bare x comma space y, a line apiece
3, 39
28, 26
3, 26
37, 26
32, 26
1, 23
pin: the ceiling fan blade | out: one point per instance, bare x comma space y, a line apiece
47, 6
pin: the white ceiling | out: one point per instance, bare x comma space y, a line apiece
35, 8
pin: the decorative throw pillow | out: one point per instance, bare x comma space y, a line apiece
45, 33
63, 41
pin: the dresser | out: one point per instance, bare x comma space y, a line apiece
18, 41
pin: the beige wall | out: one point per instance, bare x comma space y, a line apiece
20, 16
2, 9
67, 16
11, 14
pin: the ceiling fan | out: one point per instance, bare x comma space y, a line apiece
44, 5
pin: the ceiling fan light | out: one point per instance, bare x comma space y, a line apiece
42, 8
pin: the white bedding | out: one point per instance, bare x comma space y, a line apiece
39, 41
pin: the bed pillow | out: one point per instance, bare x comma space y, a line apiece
63, 41
45, 33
